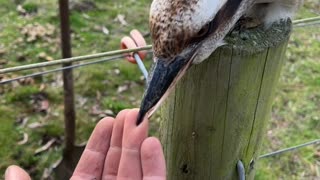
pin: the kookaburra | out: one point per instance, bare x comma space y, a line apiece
186, 32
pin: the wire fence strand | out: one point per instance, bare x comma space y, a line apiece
314, 142
72, 60
144, 71
61, 69
307, 24
306, 20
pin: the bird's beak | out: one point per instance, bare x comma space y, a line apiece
163, 76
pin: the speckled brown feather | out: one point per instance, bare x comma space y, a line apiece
169, 33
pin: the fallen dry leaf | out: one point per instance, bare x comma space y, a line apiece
121, 18
44, 56
117, 71
35, 125
123, 88
45, 147
56, 164
105, 30
21, 10
24, 140
42, 87
37, 31
109, 112
47, 173
22, 120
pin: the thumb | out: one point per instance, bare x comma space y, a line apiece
16, 173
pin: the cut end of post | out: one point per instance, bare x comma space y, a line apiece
256, 40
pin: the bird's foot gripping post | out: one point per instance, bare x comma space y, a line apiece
219, 109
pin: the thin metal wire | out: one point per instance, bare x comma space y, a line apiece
141, 65
73, 59
314, 142
307, 24
144, 72
312, 19
61, 69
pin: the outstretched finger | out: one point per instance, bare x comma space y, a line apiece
15, 172
133, 136
152, 159
92, 160
113, 156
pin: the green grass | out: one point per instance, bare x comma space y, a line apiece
9, 135
296, 108
30, 7
295, 112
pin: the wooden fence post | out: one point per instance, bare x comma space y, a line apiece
218, 112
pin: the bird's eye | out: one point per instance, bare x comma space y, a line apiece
203, 31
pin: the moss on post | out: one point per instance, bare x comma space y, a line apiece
218, 112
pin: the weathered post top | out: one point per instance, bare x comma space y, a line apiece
219, 110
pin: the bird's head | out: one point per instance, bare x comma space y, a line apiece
184, 32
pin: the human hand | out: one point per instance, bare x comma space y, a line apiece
117, 149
